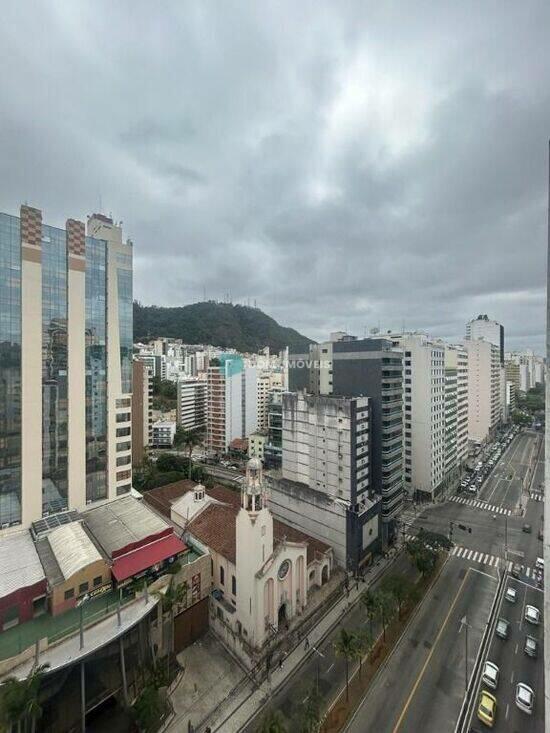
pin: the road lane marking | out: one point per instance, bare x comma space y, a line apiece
528, 572
425, 665
331, 666
512, 678
485, 558
469, 555
475, 557
516, 651
507, 709
496, 562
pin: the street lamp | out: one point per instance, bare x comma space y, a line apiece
80, 603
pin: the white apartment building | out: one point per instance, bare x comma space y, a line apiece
456, 369
192, 404
267, 382
484, 393
424, 421
163, 433
326, 444
484, 328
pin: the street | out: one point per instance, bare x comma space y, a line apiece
425, 676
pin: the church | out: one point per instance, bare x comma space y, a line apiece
263, 570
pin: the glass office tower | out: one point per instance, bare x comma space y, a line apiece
65, 365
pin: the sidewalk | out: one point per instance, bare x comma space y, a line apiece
242, 706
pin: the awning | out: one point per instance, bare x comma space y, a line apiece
145, 557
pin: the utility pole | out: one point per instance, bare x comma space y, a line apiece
464, 624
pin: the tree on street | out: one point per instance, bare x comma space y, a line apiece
347, 646
401, 588
273, 723
19, 701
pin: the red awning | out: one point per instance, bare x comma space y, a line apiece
145, 557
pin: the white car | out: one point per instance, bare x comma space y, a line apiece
511, 594
525, 697
532, 614
539, 565
490, 675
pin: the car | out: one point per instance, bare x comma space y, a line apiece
487, 708
490, 675
511, 594
525, 697
539, 564
516, 570
502, 629
531, 646
532, 614
540, 535
526, 528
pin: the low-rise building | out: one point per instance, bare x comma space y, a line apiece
163, 434
23, 584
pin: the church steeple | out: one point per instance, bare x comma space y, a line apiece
253, 497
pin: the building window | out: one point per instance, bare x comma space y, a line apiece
222, 576
234, 585
122, 432
125, 402
69, 594
123, 460
98, 581
83, 588
125, 489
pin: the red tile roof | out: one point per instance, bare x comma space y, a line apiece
215, 527
145, 557
163, 497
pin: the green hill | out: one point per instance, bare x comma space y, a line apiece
219, 324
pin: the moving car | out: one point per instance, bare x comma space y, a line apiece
490, 675
541, 534
539, 565
487, 708
526, 528
532, 614
511, 594
516, 570
502, 628
525, 697
531, 646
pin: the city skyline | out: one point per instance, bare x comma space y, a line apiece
363, 147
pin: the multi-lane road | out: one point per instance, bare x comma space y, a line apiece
422, 687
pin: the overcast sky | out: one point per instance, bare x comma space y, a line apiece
345, 164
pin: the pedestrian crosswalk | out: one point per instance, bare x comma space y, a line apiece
477, 504
484, 558
536, 495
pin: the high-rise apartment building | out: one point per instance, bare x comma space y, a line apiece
191, 404
65, 365
456, 372
231, 402
424, 444
484, 389
483, 327
371, 368
267, 382
325, 486
142, 411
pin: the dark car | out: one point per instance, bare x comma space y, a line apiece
541, 534
526, 528
516, 570
503, 628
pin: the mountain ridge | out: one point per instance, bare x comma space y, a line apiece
221, 324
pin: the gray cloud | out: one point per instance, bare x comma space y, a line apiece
345, 164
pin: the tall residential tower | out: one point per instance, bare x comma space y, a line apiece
65, 365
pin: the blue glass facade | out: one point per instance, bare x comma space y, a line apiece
54, 371
125, 319
96, 369
10, 370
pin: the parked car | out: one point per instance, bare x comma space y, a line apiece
531, 646
532, 614
516, 570
525, 697
490, 675
511, 594
502, 628
539, 565
540, 535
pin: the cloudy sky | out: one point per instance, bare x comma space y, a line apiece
345, 164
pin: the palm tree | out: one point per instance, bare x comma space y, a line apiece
368, 599
346, 646
188, 439
19, 703
273, 723
385, 609
311, 717
364, 643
